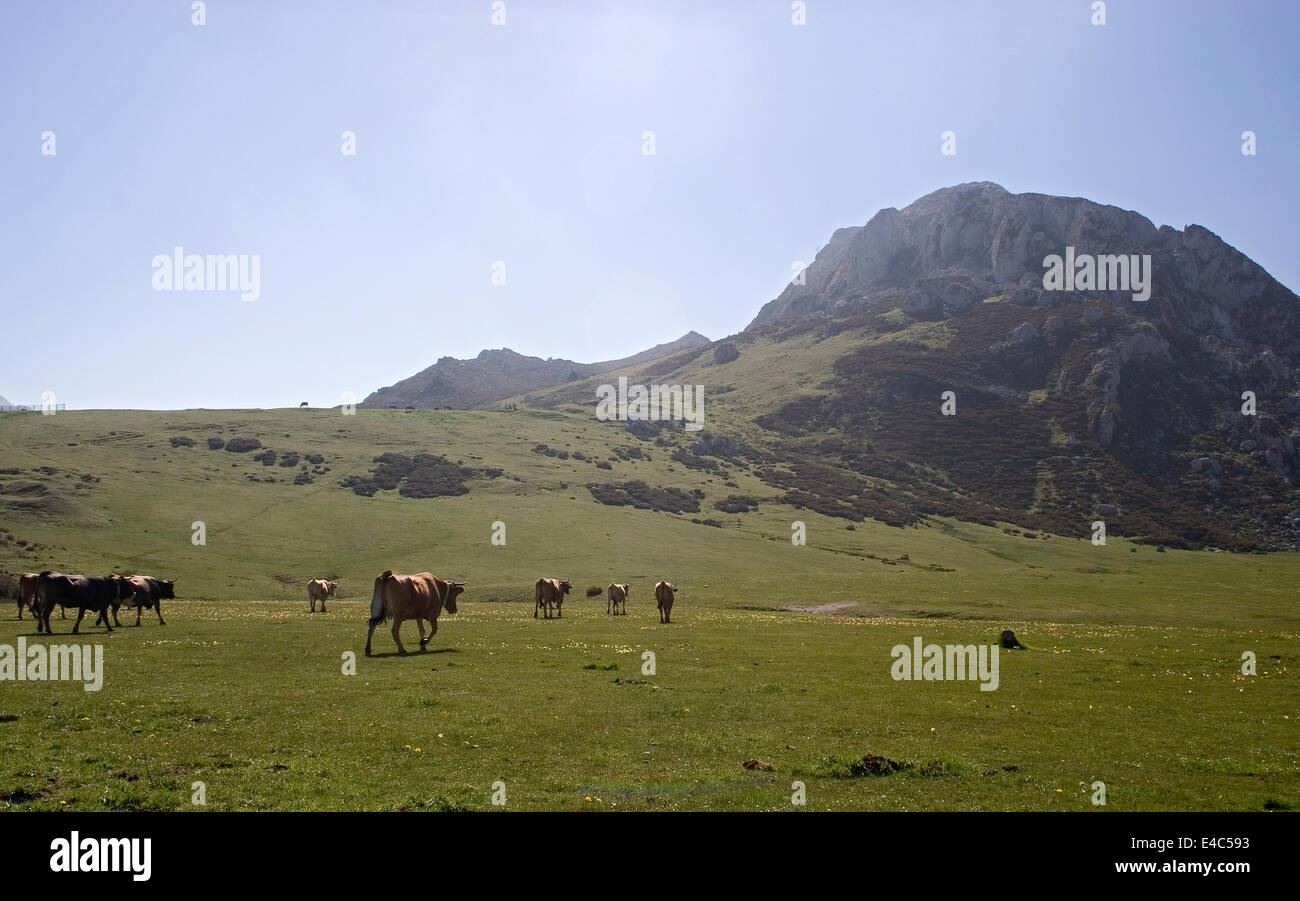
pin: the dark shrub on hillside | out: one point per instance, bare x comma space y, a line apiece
303, 478
314, 459
216, 443
266, 457
643, 428
690, 461
736, 503
640, 495
242, 445
725, 353
715, 445
421, 476
433, 476
604, 464
182, 441
289, 460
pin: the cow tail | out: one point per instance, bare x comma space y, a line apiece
378, 606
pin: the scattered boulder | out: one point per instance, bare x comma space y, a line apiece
725, 353
1022, 333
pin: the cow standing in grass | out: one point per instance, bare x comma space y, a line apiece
617, 594
27, 594
147, 593
665, 594
320, 589
418, 597
94, 593
549, 593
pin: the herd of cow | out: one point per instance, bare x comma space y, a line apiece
397, 597
42, 592
424, 596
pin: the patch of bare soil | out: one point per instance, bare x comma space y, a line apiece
831, 609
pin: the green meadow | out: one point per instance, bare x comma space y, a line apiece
1132, 673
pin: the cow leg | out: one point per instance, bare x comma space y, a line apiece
158, 610
103, 618
369, 635
81, 611
313, 605
433, 630
397, 636
20, 608
138, 610
419, 627
63, 612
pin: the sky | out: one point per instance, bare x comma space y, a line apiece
501, 193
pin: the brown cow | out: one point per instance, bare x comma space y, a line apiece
147, 593
320, 589
665, 594
550, 593
617, 594
418, 597
27, 592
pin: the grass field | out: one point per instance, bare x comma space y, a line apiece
1132, 674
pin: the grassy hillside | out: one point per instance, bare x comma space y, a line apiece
1132, 674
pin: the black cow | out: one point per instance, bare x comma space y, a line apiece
94, 593
147, 593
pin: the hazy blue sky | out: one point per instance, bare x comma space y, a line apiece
522, 144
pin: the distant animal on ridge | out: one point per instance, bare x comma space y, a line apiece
419, 597
320, 589
548, 594
665, 594
617, 596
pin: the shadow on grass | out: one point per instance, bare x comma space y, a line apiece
394, 653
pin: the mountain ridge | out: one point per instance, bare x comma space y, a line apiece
500, 373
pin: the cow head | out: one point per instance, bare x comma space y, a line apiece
453, 590
165, 588
565, 586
